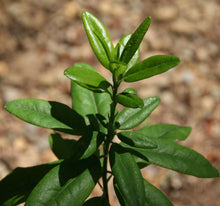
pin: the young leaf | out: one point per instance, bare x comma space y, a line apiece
47, 114
134, 42
154, 197
99, 39
136, 140
67, 184
18, 184
166, 131
120, 48
129, 91
129, 118
87, 78
62, 148
179, 158
127, 176
149, 67
130, 100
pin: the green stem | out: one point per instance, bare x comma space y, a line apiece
110, 136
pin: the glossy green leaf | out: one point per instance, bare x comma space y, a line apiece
135, 40
129, 91
62, 148
154, 197
166, 131
69, 183
136, 140
129, 100
151, 66
127, 176
18, 184
87, 78
99, 39
47, 114
118, 69
177, 157
88, 104
120, 48
129, 118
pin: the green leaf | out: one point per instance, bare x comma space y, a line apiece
129, 91
118, 193
62, 148
99, 39
127, 176
166, 131
129, 100
120, 48
154, 197
136, 140
96, 201
135, 40
67, 184
129, 118
87, 78
177, 157
18, 184
149, 67
47, 114
81, 149
88, 103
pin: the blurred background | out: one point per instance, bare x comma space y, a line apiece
40, 39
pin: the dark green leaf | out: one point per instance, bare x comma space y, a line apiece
136, 140
127, 176
87, 78
179, 158
129, 118
120, 48
154, 197
99, 39
166, 131
47, 114
62, 148
118, 193
96, 201
149, 67
67, 184
134, 42
18, 184
130, 100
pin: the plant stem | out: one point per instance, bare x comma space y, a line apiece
110, 136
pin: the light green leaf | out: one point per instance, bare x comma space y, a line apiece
120, 48
154, 197
149, 67
18, 184
136, 140
129, 91
87, 78
135, 40
177, 157
47, 114
99, 39
67, 184
129, 100
129, 118
166, 131
127, 176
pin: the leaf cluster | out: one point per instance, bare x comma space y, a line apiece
95, 119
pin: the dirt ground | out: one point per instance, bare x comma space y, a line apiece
40, 39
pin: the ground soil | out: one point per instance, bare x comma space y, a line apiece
40, 39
